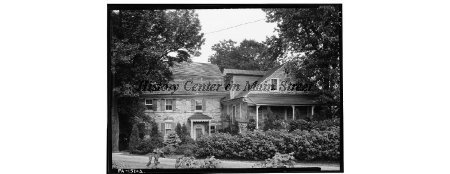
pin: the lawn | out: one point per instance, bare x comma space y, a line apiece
139, 161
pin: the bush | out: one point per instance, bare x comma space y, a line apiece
251, 125
317, 125
146, 146
186, 149
233, 129
169, 150
191, 162
257, 145
277, 161
172, 139
186, 162
210, 162
134, 139
300, 125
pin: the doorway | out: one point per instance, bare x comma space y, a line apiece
199, 130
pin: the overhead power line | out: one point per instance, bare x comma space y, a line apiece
235, 26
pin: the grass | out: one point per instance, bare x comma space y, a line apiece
130, 161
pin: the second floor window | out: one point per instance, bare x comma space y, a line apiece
149, 104
169, 104
274, 84
198, 105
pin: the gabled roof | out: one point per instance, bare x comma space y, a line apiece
260, 80
196, 69
244, 72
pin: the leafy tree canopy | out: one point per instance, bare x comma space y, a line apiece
144, 42
310, 42
248, 55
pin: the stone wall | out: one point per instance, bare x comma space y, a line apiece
183, 111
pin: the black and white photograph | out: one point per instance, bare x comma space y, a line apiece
198, 86
223, 88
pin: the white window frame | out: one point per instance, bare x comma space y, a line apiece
278, 84
201, 104
215, 128
165, 104
166, 125
145, 102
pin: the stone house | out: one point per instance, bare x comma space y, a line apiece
192, 105
205, 109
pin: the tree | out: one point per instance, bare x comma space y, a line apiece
134, 139
178, 130
310, 42
143, 43
248, 55
172, 139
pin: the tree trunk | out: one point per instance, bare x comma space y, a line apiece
114, 125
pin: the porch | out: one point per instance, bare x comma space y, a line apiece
199, 125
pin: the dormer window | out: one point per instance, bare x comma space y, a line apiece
274, 84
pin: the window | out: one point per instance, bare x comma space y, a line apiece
169, 104
213, 128
149, 104
234, 113
168, 127
274, 84
198, 105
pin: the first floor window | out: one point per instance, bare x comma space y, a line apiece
168, 127
213, 128
149, 104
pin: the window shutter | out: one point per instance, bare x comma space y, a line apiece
174, 125
192, 105
163, 129
163, 105
155, 104
174, 104
204, 104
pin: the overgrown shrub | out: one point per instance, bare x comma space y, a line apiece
147, 145
183, 134
251, 124
300, 125
277, 161
210, 162
233, 129
169, 150
186, 149
172, 139
258, 145
186, 163
317, 125
191, 162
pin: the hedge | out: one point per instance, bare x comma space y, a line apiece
320, 143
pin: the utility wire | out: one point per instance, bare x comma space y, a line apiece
235, 26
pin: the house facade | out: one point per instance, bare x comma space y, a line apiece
205, 104
191, 104
265, 92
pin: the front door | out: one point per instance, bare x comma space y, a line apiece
199, 131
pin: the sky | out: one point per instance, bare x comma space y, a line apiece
217, 19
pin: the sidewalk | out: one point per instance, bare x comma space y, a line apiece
139, 162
